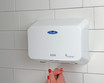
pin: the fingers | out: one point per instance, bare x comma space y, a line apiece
55, 76
61, 78
48, 79
51, 75
58, 71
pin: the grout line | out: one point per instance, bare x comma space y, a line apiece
19, 14
54, 14
22, 69
13, 74
39, 70
95, 29
6, 67
13, 30
29, 69
27, 50
54, 18
15, 4
14, 39
46, 70
85, 73
97, 51
82, 4
49, 4
95, 73
14, 49
74, 72
83, 78
53, 9
60, 8
94, 16
6, 11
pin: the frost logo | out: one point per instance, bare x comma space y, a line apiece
69, 56
52, 54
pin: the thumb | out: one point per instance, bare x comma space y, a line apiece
61, 78
48, 79
57, 71
51, 75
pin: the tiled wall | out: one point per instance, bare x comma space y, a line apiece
15, 18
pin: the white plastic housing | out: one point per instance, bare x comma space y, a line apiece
64, 41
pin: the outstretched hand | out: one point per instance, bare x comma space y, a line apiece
55, 76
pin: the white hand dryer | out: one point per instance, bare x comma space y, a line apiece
64, 41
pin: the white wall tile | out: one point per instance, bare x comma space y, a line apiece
21, 40
6, 75
19, 59
7, 58
91, 40
65, 3
23, 61
9, 21
97, 40
93, 78
96, 63
93, 3
31, 71
99, 17
7, 5
28, 18
29, 76
6, 40
32, 4
69, 67
85, 13
73, 77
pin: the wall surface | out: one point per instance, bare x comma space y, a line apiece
15, 18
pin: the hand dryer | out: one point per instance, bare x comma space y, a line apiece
63, 41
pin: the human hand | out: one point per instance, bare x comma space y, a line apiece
55, 76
